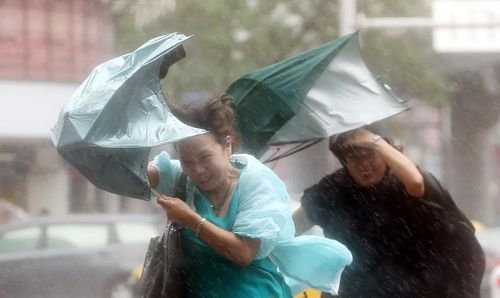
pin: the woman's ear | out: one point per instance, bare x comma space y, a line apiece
228, 146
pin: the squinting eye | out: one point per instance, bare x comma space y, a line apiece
186, 162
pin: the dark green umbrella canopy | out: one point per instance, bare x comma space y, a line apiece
108, 127
316, 94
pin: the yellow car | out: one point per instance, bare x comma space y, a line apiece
309, 293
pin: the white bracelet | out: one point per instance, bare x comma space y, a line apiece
200, 225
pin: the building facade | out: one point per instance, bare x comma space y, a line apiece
47, 48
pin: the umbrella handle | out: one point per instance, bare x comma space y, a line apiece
154, 192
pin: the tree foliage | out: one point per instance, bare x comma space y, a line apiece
232, 37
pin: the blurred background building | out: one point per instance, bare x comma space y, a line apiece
47, 48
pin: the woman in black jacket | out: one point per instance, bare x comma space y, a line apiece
407, 236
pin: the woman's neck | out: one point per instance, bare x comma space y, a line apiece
223, 191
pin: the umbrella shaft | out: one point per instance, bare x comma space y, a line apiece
157, 194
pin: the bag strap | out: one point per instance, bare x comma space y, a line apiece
180, 187
180, 192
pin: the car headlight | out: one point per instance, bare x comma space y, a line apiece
136, 273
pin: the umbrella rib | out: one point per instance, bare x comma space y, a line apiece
314, 112
275, 153
294, 150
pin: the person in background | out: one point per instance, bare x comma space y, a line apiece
10, 212
238, 235
407, 236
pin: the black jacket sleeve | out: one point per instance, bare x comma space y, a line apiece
437, 194
320, 200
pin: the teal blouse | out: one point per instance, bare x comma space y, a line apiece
260, 208
211, 275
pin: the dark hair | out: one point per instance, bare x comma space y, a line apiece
337, 147
216, 115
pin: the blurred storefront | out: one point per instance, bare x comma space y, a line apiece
494, 174
47, 48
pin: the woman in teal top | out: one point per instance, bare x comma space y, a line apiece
212, 275
238, 235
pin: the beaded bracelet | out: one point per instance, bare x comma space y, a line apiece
200, 225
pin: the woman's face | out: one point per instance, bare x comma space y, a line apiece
366, 166
205, 161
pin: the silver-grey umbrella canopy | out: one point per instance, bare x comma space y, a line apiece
108, 127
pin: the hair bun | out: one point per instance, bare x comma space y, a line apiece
217, 115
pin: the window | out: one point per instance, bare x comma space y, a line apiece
25, 239
77, 236
135, 232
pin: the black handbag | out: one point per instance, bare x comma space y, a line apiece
163, 273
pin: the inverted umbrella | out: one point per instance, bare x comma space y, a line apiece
108, 127
316, 94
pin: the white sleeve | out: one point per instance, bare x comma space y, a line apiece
169, 173
264, 210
